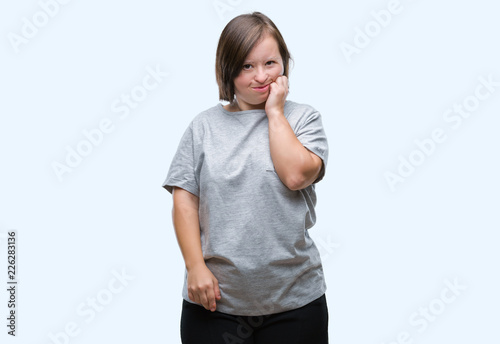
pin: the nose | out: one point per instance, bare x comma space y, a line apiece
261, 75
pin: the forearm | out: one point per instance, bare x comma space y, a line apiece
294, 164
187, 228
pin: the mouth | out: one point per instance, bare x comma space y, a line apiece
261, 89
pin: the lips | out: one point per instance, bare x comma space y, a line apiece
261, 89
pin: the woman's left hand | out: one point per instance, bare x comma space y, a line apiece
278, 91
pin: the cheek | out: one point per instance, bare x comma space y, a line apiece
279, 71
237, 85
240, 82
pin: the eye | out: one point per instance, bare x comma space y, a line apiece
270, 62
247, 66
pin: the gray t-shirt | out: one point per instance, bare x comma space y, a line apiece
254, 229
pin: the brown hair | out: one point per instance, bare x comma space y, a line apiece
235, 43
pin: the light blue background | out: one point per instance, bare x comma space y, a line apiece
386, 253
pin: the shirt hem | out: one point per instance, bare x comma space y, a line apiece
183, 185
310, 299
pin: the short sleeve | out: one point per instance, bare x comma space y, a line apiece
183, 166
312, 136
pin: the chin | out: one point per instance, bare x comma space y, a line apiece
260, 103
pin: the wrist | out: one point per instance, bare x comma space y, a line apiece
195, 264
275, 113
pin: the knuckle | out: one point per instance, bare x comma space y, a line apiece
199, 287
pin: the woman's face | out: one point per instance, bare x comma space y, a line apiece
261, 67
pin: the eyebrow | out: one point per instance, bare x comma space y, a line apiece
270, 58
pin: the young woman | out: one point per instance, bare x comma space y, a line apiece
243, 183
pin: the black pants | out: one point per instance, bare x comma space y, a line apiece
304, 325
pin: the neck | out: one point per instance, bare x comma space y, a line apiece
235, 106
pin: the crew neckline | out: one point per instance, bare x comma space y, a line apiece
242, 112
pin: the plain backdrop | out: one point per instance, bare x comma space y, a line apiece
385, 89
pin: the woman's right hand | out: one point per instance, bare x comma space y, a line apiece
203, 287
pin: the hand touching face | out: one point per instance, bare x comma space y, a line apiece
275, 103
259, 75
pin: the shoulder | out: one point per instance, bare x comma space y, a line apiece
206, 119
205, 116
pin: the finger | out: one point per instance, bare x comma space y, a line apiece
272, 87
196, 297
282, 80
275, 86
283, 83
211, 299
217, 290
203, 299
191, 296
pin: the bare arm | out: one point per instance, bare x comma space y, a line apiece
296, 166
187, 227
203, 287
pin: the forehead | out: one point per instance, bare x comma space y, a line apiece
266, 48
